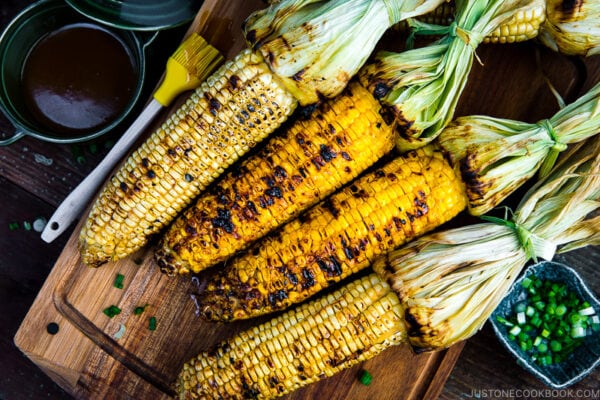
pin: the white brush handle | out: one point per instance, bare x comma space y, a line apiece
72, 207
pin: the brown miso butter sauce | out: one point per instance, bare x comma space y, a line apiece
78, 79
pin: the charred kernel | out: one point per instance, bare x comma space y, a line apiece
123, 186
380, 90
151, 174
346, 156
329, 206
274, 192
327, 153
234, 80
188, 177
223, 220
280, 172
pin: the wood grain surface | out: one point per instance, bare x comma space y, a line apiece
86, 359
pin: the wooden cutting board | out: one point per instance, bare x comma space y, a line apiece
94, 356
86, 359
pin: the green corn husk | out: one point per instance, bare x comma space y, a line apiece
572, 27
450, 282
422, 86
495, 156
315, 47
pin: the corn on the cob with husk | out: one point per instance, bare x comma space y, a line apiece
296, 57
405, 198
495, 156
440, 292
297, 168
424, 95
450, 282
522, 26
572, 27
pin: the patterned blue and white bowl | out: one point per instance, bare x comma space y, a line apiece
583, 359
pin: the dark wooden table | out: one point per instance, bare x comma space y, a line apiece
35, 177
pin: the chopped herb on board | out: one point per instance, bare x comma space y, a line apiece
365, 377
118, 283
140, 309
152, 323
112, 311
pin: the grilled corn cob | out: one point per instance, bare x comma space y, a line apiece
311, 342
229, 113
407, 197
524, 25
447, 285
296, 169
238, 106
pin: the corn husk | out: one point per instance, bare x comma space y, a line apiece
572, 27
422, 86
315, 47
450, 282
495, 156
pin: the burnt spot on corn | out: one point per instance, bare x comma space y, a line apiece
223, 220
570, 8
414, 326
298, 75
380, 90
150, 174
306, 112
145, 162
328, 205
235, 81
279, 172
274, 192
213, 104
476, 188
308, 278
327, 153
123, 186
330, 266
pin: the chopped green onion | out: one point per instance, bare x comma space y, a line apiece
365, 377
111, 311
515, 330
118, 283
587, 311
551, 323
13, 226
140, 309
152, 323
26, 225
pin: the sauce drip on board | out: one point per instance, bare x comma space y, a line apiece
78, 79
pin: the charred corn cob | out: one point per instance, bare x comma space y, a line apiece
524, 25
447, 285
296, 169
407, 197
311, 342
234, 109
238, 106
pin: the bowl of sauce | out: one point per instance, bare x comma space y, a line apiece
65, 78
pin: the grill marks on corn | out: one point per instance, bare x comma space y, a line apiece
239, 105
311, 342
407, 197
296, 169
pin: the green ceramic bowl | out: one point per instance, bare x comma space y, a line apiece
583, 359
25, 30
139, 15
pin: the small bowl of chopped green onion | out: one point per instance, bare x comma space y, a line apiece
550, 321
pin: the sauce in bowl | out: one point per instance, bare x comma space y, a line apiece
78, 78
